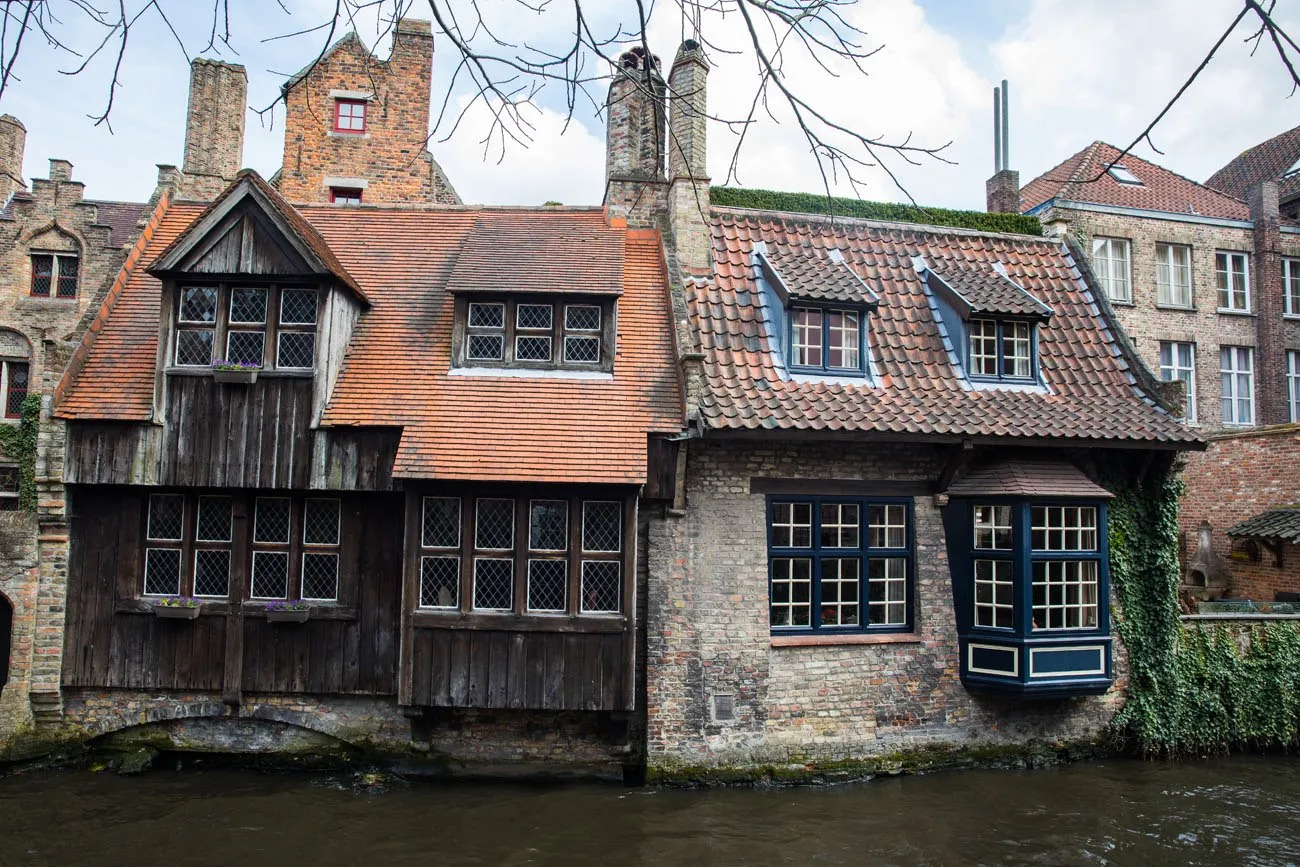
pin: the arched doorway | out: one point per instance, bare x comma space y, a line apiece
6, 636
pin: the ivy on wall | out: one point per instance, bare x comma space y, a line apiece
813, 203
1199, 689
18, 442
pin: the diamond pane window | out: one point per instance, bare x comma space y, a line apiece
840, 584
439, 582
887, 591
548, 525
9, 483
532, 348
270, 575
194, 347
580, 349
486, 347
211, 573
297, 350
494, 583
248, 305
42, 274
441, 522
602, 526
792, 525
67, 277
246, 347
214, 519
271, 520
548, 585
600, 586
320, 576
320, 523
16, 375
166, 517
494, 526
487, 316
198, 304
534, 317
162, 572
791, 603
298, 307
581, 317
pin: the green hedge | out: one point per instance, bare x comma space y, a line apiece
815, 203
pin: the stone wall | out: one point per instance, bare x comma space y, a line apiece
1240, 475
390, 161
1148, 323
708, 633
18, 581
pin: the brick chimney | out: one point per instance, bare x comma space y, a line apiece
688, 175
1002, 191
13, 142
1266, 289
214, 126
635, 139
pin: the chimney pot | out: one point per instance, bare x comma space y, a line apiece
60, 170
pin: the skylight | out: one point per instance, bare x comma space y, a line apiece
1295, 169
1124, 176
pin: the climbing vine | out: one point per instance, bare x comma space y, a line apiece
1200, 689
18, 442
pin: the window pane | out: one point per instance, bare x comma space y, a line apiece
840, 524
166, 517
486, 347
887, 591
297, 350
320, 522
214, 519
246, 347
1065, 594
806, 337
211, 573
582, 317
1064, 528
791, 593
600, 586
548, 525
1015, 349
194, 347
994, 594
439, 582
17, 388
888, 526
67, 277
270, 575
248, 305
271, 520
495, 526
580, 349
198, 304
162, 572
532, 348
441, 522
602, 526
993, 527
842, 349
298, 306
1177, 363
320, 576
983, 347
42, 274
533, 317
487, 315
494, 583
841, 586
548, 585
792, 525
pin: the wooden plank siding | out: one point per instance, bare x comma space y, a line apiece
113, 640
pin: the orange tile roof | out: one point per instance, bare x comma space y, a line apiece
551, 251
1091, 395
1269, 160
395, 373
1161, 189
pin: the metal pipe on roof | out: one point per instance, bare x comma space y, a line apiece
1006, 128
997, 132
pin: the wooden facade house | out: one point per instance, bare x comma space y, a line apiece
429, 428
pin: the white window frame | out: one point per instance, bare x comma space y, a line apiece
1291, 287
472, 330
1172, 369
1233, 377
1112, 261
1167, 269
1228, 258
1293, 385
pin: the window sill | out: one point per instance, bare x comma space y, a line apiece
1176, 308
319, 611
50, 299
352, 135
856, 638
1224, 311
1114, 302
1292, 317
507, 622
591, 374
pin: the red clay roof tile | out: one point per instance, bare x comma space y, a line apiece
539, 251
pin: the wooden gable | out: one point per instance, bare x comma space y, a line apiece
245, 243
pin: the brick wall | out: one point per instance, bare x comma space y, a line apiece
390, 161
18, 583
1240, 475
708, 633
1147, 324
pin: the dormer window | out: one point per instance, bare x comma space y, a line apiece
350, 116
827, 340
1001, 349
54, 275
537, 333
270, 327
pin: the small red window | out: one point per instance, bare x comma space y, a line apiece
350, 115
345, 196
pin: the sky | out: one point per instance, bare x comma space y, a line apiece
1079, 70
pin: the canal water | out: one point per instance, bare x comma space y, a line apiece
1241, 810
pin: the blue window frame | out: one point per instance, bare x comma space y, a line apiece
840, 564
1002, 349
1031, 585
827, 340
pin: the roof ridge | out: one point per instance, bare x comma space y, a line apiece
796, 216
1180, 176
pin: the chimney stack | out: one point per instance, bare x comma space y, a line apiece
412, 59
688, 193
1002, 191
635, 138
1266, 293
60, 171
13, 142
214, 126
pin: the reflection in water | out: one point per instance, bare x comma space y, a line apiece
1243, 810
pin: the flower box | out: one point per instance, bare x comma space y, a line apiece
176, 612
288, 615
243, 376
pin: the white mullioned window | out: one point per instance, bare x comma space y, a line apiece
1232, 277
1293, 384
1016, 352
1291, 287
842, 350
1237, 381
1110, 260
995, 601
1178, 363
1064, 590
806, 337
1174, 275
983, 347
